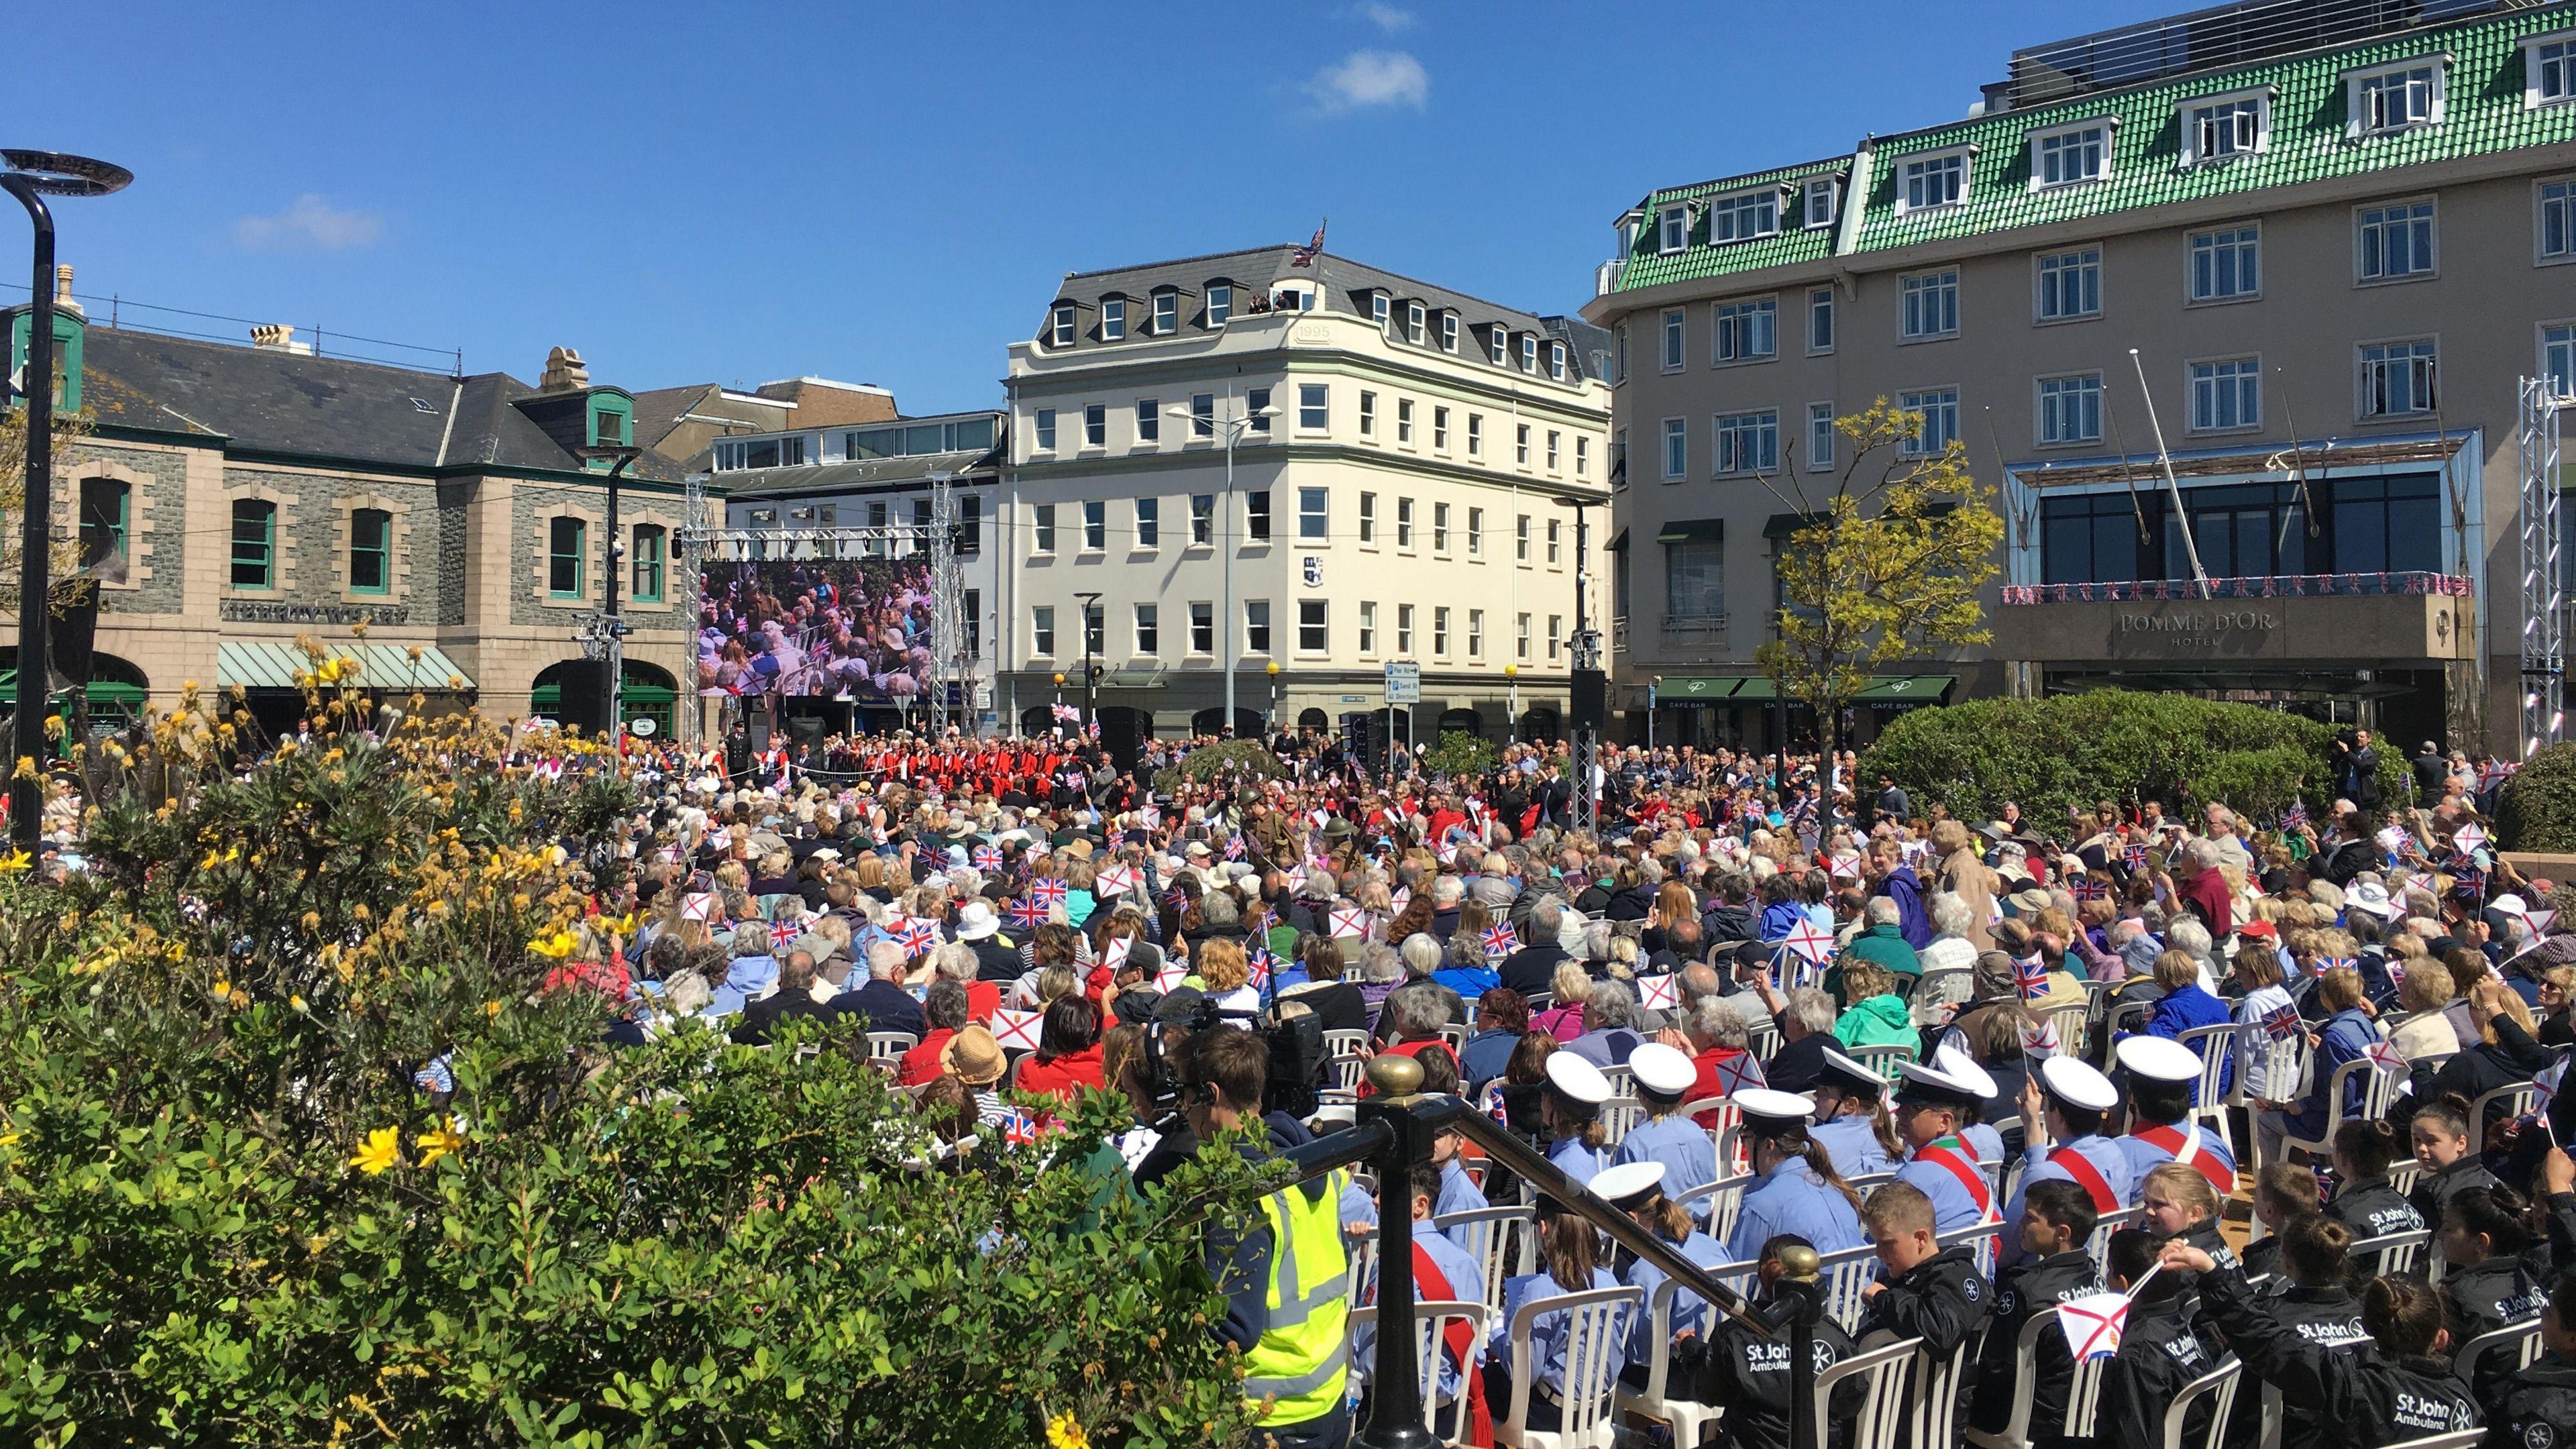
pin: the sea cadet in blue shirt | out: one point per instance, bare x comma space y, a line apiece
2064, 1104
1578, 1142
1663, 1077
1847, 1110
1789, 1195
2160, 1075
1941, 1162
1466, 1281
1637, 1189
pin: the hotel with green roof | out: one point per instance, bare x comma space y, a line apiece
2258, 286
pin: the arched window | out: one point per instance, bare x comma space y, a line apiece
567, 543
254, 544
371, 551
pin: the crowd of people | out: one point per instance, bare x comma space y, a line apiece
1762, 1005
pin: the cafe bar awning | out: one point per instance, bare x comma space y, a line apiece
273, 664
1684, 690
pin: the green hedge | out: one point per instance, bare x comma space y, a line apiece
2078, 750
2537, 808
1236, 760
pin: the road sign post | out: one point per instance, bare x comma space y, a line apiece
1404, 687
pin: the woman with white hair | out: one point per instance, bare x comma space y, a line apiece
1949, 949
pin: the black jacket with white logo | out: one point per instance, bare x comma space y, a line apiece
2023, 1291
2371, 1398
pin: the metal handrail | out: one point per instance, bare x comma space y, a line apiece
1395, 1130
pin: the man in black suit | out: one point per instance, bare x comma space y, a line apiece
1532, 968
794, 997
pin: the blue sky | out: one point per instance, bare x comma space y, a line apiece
885, 193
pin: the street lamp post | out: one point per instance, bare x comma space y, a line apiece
1090, 709
619, 457
32, 176
1234, 429
1584, 752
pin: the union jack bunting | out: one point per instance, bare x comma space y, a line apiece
1500, 941
2033, 975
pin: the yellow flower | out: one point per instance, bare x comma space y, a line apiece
296, 1003
492, 1009
557, 946
223, 989
13, 862
26, 768
437, 1144
383, 1149
1064, 1433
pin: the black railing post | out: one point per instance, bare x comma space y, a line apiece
1395, 1397
1798, 1295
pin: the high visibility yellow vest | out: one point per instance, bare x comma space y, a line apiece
1299, 1361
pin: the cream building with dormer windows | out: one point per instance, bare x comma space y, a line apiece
1410, 499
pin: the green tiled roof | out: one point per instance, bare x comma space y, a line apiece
1699, 259
2483, 113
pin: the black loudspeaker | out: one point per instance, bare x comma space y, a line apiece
585, 695
1591, 703
805, 731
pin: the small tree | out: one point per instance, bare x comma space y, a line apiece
70, 585
1886, 568
1459, 755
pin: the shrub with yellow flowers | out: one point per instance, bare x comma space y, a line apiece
302, 1142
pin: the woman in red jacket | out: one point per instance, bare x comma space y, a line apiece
1068, 1054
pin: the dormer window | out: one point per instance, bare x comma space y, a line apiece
1220, 303
1672, 230
1938, 179
1167, 313
1497, 345
2220, 128
2393, 98
1823, 200
1448, 331
1292, 297
1113, 319
2549, 69
1415, 317
1745, 215
1381, 308
2070, 154
1556, 361
611, 426
1061, 333
1529, 355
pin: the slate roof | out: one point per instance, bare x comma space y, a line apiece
657, 410
271, 401
1340, 282
2483, 114
850, 477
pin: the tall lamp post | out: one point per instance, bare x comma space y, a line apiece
1233, 430
619, 457
1585, 739
1090, 707
32, 176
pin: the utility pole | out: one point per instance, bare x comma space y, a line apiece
612, 625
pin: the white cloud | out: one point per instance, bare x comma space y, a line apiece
1367, 78
1388, 18
310, 224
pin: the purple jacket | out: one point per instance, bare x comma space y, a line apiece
1902, 888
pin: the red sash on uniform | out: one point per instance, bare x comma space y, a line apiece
1945, 1155
1430, 1285
2089, 1177
2171, 1141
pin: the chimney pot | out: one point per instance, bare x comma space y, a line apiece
565, 372
63, 291
278, 337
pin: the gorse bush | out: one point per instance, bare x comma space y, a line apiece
229, 1215
2078, 750
2536, 810
1459, 755
1228, 760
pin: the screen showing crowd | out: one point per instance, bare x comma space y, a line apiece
826, 627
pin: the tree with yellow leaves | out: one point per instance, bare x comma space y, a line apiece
1886, 568
70, 584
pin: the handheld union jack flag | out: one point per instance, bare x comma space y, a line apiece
988, 857
1259, 962
1029, 913
1234, 847
916, 936
1068, 714
2135, 857
2336, 963
782, 932
1019, 1129
2282, 1022
1500, 941
2088, 888
2033, 975
2296, 817
2470, 881
1047, 893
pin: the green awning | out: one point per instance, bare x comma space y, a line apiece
1695, 688
1787, 525
1692, 530
273, 664
1906, 689
100, 691
1757, 691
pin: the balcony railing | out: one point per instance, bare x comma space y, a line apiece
1605, 277
1694, 624
2269, 586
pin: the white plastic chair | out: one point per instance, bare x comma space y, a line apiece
1619, 1115
2099, 1245
1345, 1043
2216, 1046
1987, 1238
1725, 1198
1845, 1274
1360, 1249
2083, 1396
2392, 1252
1623, 1082
1503, 1241
2517, 1099
1884, 1404
2377, 1089
1431, 1320
2464, 1439
2219, 1387
1589, 1418
1946, 985
2119, 1020
886, 1048
2285, 1063
1456, 1036
2521, 1338
1884, 1060
2072, 1024
2015, 1434
1762, 1038
1933, 1404
1688, 1417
